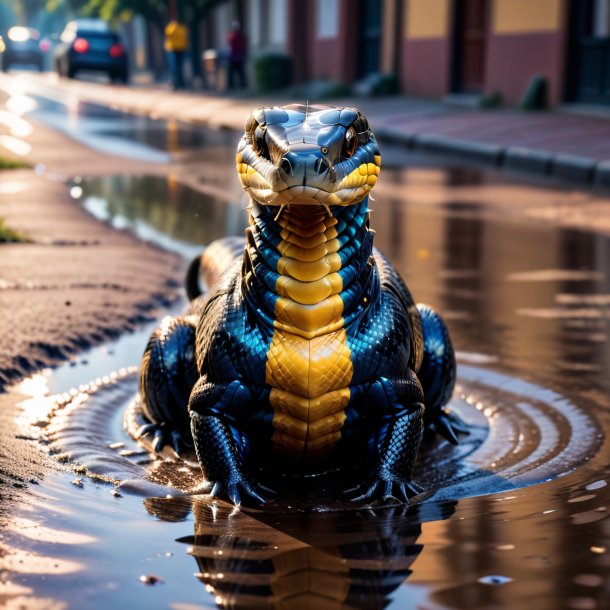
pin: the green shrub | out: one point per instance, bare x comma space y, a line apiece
535, 96
272, 71
6, 163
9, 235
383, 84
491, 100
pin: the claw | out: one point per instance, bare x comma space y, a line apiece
159, 440
444, 428
252, 493
179, 445
414, 488
449, 425
458, 424
388, 489
241, 492
234, 496
145, 429
161, 437
267, 490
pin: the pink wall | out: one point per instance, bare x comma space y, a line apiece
334, 58
424, 67
326, 59
512, 60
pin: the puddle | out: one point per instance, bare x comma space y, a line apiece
169, 136
119, 133
515, 517
162, 210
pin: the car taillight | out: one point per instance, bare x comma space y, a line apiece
117, 50
44, 45
80, 45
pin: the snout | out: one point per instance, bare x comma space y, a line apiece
305, 165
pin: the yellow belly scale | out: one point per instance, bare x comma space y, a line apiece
309, 362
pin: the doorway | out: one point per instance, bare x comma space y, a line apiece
588, 78
469, 46
369, 37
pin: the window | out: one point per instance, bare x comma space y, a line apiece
327, 18
601, 18
277, 18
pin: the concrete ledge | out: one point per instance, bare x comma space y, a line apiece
601, 174
478, 151
573, 168
391, 136
528, 160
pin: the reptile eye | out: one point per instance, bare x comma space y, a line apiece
350, 143
259, 143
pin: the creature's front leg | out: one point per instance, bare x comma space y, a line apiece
223, 449
397, 422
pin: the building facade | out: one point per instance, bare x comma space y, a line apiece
437, 47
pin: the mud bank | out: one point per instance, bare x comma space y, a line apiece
74, 284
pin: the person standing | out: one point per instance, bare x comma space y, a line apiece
176, 44
236, 41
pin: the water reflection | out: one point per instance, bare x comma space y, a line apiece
169, 136
121, 133
163, 210
333, 560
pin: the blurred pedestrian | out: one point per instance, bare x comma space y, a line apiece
236, 41
176, 44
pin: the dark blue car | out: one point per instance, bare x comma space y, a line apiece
88, 45
21, 47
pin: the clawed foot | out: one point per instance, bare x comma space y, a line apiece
241, 492
449, 426
385, 489
160, 436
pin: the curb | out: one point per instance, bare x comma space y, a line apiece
575, 168
477, 151
601, 174
582, 171
528, 160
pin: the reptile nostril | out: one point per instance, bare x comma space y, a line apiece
286, 166
320, 166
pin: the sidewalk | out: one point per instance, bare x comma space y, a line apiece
560, 144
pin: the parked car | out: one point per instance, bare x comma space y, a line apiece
88, 44
21, 46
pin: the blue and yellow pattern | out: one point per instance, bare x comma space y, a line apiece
309, 349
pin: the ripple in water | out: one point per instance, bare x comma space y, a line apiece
520, 434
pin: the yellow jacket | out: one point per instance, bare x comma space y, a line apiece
176, 37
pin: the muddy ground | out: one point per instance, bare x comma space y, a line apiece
74, 284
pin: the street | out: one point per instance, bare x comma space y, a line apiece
519, 265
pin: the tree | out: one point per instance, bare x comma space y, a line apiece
26, 11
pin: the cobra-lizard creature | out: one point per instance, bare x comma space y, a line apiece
307, 354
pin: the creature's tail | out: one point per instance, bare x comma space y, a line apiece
206, 268
191, 282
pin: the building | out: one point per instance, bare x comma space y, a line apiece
436, 47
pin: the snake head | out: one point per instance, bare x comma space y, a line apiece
308, 155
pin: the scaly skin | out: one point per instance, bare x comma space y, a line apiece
308, 353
